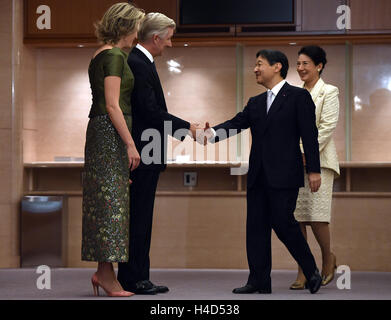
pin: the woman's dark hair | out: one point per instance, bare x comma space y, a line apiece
317, 55
274, 56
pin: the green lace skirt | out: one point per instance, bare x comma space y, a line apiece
105, 228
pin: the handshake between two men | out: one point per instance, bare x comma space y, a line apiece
201, 134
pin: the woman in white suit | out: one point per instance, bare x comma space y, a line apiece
314, 209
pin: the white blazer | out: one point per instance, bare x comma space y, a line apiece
325, 97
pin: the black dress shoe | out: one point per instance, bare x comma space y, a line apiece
314, 282
159, 289
249, 288
265, 291
144, 287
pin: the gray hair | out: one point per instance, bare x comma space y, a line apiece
154, 23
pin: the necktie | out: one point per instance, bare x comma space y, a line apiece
269, 100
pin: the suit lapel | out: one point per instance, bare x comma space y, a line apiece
155, 74
141, 55
317, 90
150, 65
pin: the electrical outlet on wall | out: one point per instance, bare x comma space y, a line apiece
190, 179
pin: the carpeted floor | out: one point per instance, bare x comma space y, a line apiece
190, 284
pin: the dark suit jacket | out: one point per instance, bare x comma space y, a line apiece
276, 136
149, 108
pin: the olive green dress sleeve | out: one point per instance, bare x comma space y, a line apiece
113, 65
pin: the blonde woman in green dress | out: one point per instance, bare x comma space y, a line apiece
109, 150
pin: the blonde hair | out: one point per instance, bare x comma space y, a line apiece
120, 20
154, 23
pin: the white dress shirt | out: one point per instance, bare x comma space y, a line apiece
145, 51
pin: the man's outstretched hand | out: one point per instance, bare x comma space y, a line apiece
193, 129
205, 134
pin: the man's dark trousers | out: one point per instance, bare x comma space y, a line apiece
273, 208
142, 197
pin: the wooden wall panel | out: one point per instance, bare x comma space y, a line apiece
209, 231
207, 179
73, 20
29, 84
68, 18
370, 15
320, 15
361, 235
5, 64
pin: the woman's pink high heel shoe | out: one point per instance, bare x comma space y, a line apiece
96, 284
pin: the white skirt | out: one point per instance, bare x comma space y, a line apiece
316, 207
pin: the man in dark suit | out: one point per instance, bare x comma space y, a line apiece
149, 114
277, 119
